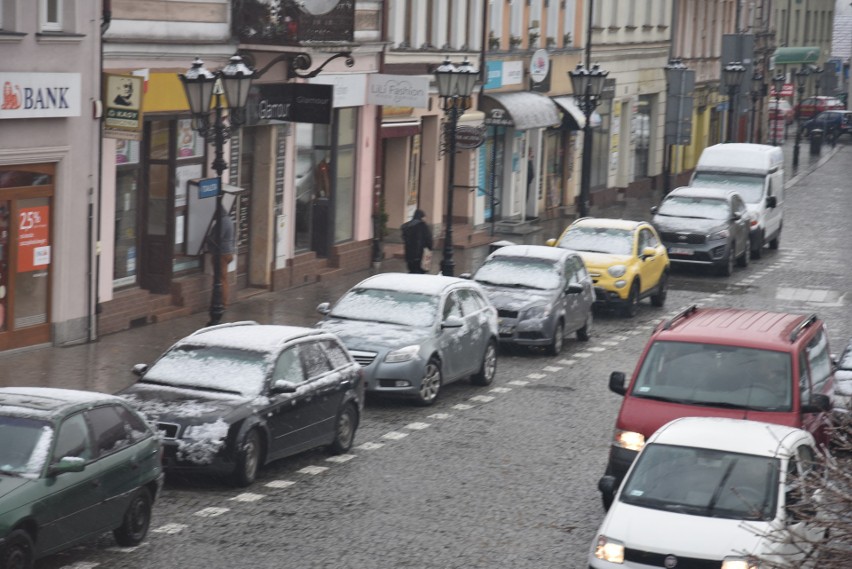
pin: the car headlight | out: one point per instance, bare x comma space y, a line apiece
740, 563
535, 312
616, 271
719, 235
629, 440
608, 549
403, 354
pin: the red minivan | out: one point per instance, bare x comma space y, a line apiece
723, 362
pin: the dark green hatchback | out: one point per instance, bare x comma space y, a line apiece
73, 464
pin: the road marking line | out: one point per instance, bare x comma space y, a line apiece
170, 528
536, 376
609, 343
500, 390
482, 398
394, 435
84, 564
596, 349
341, 458
440, 416
280, 483
551, 368
370, 446
519, 382
566, 362
583, 355
462, 406
312, 470
619, 338
211, 512
249, 496
417, 426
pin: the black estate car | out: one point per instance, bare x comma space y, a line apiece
234, 397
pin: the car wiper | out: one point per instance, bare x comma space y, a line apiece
661, 398
192, 387
7, 472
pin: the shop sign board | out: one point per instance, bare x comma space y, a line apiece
289, 102
469, 137
398, 90
39, 95
33, 238
123, 106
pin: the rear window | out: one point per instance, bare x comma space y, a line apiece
716, 376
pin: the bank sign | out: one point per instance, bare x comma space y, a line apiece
39, 95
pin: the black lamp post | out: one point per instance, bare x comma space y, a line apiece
455, 86
204, 89
756, 92
817, 73
778, 83
674, 70
732, 76
587, 85
801, 80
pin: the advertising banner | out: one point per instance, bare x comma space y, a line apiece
33, 238
123, 106
40, 95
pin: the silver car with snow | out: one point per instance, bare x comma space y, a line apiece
415, 333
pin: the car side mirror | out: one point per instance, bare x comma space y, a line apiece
607, 485
324, 308
550, 242
654, 209
617, 381
736, 216
819, 403
648, 252
452, 322
467, 276
574, 288
771, 202
140, 369
67, 464
283, 386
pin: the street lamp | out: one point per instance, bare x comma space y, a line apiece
455, 85
756, 91
778, 83
732, 76
587, 85
801, 80
204, 89
817, 73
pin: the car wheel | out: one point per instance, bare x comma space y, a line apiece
658, 299
727, 268
344, 429
137, 518
745, 258
584, 333
488, 369
557, 340
248, 460
774, 243
631, 306
430, 385
17, 551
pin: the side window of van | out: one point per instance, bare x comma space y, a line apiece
820, 361
804, 378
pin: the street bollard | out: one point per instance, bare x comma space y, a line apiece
816, 141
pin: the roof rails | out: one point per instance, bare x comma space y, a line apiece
225, 325
686, 312
802, 326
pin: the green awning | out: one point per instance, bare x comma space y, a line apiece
794, 55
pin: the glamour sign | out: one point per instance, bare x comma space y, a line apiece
39, 95
398, 90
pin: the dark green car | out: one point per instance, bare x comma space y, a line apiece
73, 464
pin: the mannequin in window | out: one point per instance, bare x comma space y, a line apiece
322, 177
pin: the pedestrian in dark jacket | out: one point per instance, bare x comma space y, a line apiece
417, 236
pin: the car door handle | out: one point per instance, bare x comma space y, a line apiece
96, 482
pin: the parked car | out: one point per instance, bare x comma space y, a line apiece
414, 333
712, 492
810, 106
234, 397
75, 464
704, 226
843, 381
626, 260
541, 293
724, 362
834, 123
781, 109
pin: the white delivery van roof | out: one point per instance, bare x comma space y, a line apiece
741, 157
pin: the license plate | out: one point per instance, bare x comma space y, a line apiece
680, 251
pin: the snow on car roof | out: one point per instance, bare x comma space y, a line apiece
731, 435
702, 192
248, 336
606, 222
423, 284
533, 251
45, 400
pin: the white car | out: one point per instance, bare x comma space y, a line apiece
709, 492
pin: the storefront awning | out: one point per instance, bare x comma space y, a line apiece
796, 55
400, 129
521, 110
576, 120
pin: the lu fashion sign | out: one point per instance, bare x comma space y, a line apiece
39, 95
398, 90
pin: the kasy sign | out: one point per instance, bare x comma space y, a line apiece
39, 95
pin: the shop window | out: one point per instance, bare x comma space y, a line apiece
32, 273
126, 212
600, 146
641, 133
5, 230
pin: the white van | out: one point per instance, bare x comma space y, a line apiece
756, 172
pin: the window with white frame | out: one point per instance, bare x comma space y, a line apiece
50, 12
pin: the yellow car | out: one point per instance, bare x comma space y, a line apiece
626, 259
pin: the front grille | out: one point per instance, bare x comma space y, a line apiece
690, 238
168, 430
659, 560
503, 313
363, 358
530, 335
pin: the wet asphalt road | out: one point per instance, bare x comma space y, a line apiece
501, 476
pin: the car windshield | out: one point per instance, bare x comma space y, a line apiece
749, 187
389, 306
212, 368
26, 443
703, 482
695, 207
716, 376
611, 240
520, 272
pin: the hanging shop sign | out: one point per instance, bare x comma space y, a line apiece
40, 95
469, 137
290, 102
123, 106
